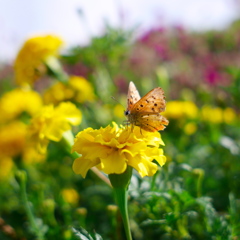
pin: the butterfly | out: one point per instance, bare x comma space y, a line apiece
145, 112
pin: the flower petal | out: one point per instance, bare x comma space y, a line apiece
113, 163
142, 165
69, 112
116, 147
82, 165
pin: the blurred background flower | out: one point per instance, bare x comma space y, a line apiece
51, 123
70, 196
30, 63
6, 165
77, 89
12, 139
181, 109
19, 102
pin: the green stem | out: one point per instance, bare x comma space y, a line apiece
67, 141
55, 69
120, 183
22, 177
153, 181
200, 175
121, 195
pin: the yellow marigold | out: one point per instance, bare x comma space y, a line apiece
12, 139
31, 155
17, 102
229, 115
218, 115
181, 109
83, 89
57, 93
112, 149
77, 89
212, 114
29, 63
51, 123
190, 128
6, 165
70, 195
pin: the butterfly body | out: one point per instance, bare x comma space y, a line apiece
145, 112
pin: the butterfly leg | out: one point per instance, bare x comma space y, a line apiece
126, 122
132, 128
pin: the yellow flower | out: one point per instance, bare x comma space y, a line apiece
212, 114
14, 142
29, 64
112, 149
181, 109
17, 102
70, 195
77, 89
229, 115
6, 165
51, 123
83, 89
57, 93
190, 128
12, 139
31, 155
218, 115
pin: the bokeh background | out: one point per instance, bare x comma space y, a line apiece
77, 21
189, 48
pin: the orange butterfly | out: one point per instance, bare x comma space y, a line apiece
145, 112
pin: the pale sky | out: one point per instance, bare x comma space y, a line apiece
20, 19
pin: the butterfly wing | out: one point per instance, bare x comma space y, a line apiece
152, 122
152, 102
145, 113
133, 96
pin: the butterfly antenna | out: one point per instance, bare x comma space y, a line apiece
117, 101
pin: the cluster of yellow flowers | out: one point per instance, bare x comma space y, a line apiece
78, 90
218, 115
17, 107
181, 109
31, 140
13, 143
188, 110
28, 120
189, 115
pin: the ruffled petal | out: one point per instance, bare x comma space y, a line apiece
113, 163
54, 130
82, 165
117, 147
69, 113
159, 157
134, 149
142, 165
